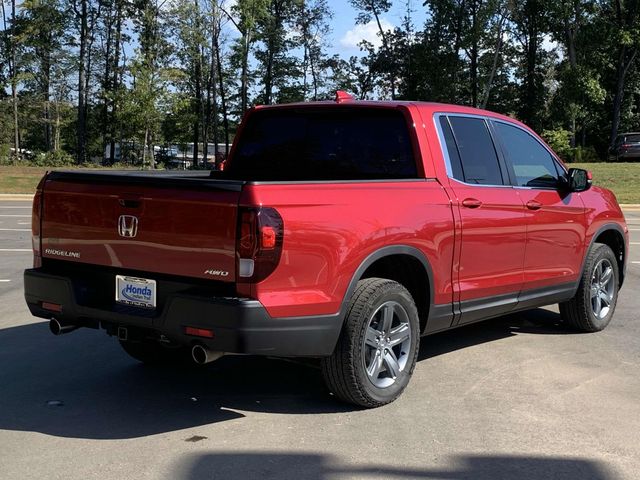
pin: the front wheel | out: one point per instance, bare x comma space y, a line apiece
591, 309
378, 347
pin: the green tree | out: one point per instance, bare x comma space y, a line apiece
312, 21
247, 15
277, 66
42, 28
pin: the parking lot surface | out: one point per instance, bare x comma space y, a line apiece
518, 397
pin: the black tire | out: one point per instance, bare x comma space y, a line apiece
154, 353
578, 313
345, 371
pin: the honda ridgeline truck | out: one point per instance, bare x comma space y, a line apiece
339, 230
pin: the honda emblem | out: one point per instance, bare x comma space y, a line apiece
128, 226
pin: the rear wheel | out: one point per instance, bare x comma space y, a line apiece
154, 353
377, 349
595, 301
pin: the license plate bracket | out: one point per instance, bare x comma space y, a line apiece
139, 292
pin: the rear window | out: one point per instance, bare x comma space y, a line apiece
632, 138
305, 144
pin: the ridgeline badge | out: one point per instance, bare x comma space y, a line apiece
62, 253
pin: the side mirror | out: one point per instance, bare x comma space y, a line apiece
579, 180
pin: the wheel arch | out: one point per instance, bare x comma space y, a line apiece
612, 235
404, 264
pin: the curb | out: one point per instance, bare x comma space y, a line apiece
17, 197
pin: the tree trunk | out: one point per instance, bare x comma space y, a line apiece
385, 44
145, 148
268, 76
115, 83
82, 85
474, 55
494, 65
621, 73
244, 88
212, 97
223, 103
56, 137
46, 86
529, 112
106, 84
14, 83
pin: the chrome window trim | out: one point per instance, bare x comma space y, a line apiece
445, 150
486, 118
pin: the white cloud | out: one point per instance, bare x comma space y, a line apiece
368, 32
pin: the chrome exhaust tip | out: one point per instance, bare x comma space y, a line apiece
202, 355
58, 328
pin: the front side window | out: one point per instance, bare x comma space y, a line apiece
532, 163
477, 154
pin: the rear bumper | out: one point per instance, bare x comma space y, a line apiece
628, 155
239, 325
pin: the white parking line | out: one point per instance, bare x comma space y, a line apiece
15, 250
4, 280
7, 206
634, 243
15, 229
24, 223
19, 216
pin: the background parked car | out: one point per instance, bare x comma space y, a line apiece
626, 147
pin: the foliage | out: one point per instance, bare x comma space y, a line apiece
559, 141
93, 75
586, 155
56, 158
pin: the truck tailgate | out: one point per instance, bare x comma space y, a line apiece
177, 224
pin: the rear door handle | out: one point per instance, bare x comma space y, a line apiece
471, 203
534, 205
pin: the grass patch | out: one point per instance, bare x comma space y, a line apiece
20, 179
622, 178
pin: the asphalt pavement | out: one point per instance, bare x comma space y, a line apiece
518, 397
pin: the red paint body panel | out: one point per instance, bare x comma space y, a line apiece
555, 238
601, 208
492, 240
180, 232
331, 228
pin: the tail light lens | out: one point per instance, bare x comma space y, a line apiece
260, 232
36, 213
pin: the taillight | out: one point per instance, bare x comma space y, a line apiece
36, 213
260, 231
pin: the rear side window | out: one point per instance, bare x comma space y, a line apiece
477, 153
301, 144
533, 165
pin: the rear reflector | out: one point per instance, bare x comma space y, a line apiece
53, 307
268, 237
199, 332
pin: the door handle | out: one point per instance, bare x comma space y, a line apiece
471, 203
534, 205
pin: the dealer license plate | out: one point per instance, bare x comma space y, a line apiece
139, 292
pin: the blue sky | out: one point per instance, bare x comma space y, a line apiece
346, 34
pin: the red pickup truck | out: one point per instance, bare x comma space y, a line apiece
340, 230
